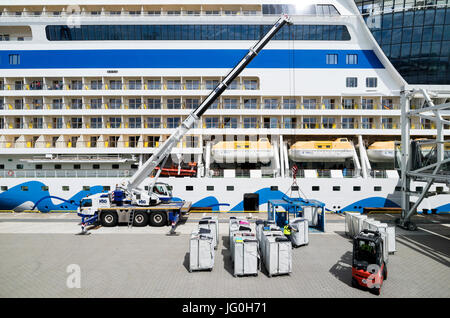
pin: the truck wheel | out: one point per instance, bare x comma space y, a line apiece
158, 219
109, 219
140, 219
385, 274
377, 291
354, 283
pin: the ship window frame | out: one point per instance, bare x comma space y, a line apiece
189, 188
336, 188
332, 59
315, 188
371, 82
351, 59
377, 188
14, 59
4, 188
230, 188
209, 188
351, 82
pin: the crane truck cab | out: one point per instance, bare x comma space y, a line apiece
89, 205
369, 263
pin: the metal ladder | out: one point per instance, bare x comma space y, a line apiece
131, 219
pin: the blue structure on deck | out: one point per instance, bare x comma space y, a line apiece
294, 207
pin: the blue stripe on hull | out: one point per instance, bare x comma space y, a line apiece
14, 197
48, 59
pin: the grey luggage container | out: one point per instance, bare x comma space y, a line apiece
245, 255
201, 250
300, 233
243, 235
234, 226
264, 225
310, 213
357, 224
389, 231
277, 255
213, 226
349, 223
271, 231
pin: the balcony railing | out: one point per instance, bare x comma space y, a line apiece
46, 144
163, 105
127, 14
100, 173
124, 86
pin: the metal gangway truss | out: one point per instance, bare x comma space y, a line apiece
434, 167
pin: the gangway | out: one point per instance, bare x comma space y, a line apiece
409, 160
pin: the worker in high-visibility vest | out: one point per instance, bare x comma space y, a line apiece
287, 229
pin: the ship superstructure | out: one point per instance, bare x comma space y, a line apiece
89, 89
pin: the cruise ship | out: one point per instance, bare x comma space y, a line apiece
90, 88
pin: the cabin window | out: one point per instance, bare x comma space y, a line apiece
294, 188
351, 59
189, 188
419, 189
398, 189
336, 188
96, 166
274, 188
19, 166
315, 188
352, 82
57, 167
4, 188
2, 167
115, 166
209, 188
86, 188
439, 189
44, 188
230, 188
356, 188
14, 59
38, 167
77, 167
371, 82
332, 58
65, 188
377, 188
107, 188
24, 188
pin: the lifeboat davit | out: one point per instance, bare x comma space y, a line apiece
243, 151
175, 172
381, 151
337, 150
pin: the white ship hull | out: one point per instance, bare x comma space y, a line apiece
338, 194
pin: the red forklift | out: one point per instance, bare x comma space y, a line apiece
369, 261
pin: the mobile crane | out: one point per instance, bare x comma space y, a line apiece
131, 203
